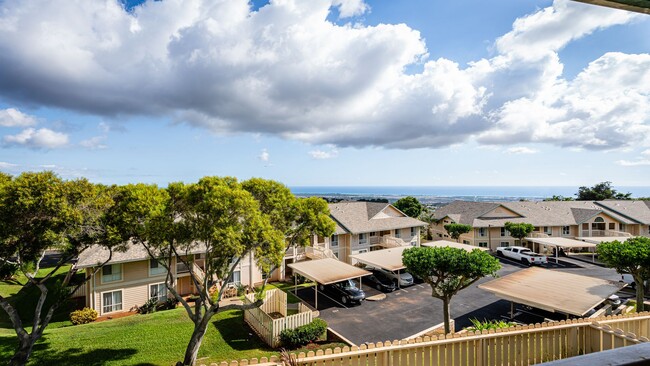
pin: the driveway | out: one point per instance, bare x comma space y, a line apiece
411, 310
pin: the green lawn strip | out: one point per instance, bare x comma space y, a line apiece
153, 339
27, 298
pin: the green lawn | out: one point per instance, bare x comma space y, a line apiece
27, 297
154, 339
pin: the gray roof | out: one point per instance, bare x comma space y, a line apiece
96, 254
538, 213
357, 217
636, 210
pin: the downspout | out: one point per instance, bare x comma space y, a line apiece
92, 290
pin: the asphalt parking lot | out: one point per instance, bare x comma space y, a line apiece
411, 310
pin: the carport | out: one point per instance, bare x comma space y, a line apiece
558, 243
388, 259
326, 271
452, 244
553, 291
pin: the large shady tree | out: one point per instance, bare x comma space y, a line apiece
216, 216
39, 212
456, 230
448, 270
631, 256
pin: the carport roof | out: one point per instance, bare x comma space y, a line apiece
390, 259
600, 239
562, 242
327, 270
453, 244
553, 291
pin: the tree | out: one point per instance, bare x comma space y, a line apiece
449, 270
228, 222
631, 256
601, 191
39, 211
519, 230
409, 205
559, 198
428, 216
456, 230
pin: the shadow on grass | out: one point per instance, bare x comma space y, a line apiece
43, 355
238, 334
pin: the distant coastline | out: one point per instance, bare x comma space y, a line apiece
442, 194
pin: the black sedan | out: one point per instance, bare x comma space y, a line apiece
380, 281
346, 292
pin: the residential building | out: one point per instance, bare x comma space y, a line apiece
570, 219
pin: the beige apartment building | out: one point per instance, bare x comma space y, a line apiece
569, 219
131, 278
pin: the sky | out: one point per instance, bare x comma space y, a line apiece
326, 92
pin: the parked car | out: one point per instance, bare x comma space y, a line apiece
522, 254
627, 278
400, 280
380, 281
345, 291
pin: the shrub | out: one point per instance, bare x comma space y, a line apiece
478, 325
7, 271
304, 334
168, 304
148, 307
83, 316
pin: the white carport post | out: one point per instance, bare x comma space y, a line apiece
295, 285
316, 297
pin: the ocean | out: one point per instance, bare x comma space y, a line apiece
460, 192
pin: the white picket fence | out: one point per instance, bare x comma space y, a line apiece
266, 326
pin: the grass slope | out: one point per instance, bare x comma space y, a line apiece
154, 339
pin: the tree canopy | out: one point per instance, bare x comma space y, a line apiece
631, 256
448, 270
40, 211
456, 230
519, 230
409, 205
599, 192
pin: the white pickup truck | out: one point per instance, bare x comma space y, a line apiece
522, 254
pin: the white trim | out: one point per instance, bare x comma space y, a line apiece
164, 271
158, 297
101, 298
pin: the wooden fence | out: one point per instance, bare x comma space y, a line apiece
520, 345
265, 325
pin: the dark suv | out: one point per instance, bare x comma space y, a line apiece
380, 281
346, 292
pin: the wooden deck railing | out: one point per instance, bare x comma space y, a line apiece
520, 345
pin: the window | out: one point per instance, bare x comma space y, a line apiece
536, 229
566, 230
155, 268
483, 244
599, 219
158, 291
197, 256
373, 234
321, 239
398, 233
505, 243
504, 232
413, 231
334, 241
236, 278
363, 238
621, 227
111, 301
112, 273
465, 241
548, 230
585, 226
482, 231
439, 235
612, 226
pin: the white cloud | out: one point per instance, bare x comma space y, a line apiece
349, 8
322, 154
37, 139
646, 152
285, 70
521, 150
264, 156
638, 162
94, 143
12, 117
7, 166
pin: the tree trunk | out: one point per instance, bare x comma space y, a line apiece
25, 347
639, 296
193, 346
446, 315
